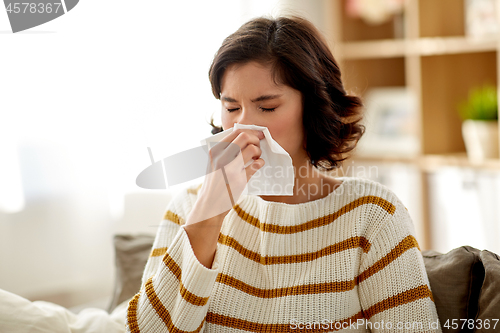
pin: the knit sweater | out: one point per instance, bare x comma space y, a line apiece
348, 261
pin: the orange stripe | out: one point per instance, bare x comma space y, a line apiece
186, 294
194, 190
349, 243
399, 299
236, 323
407, 243
391, 302
162, 312
319, 222
232, 322
190, 297
172, 265
171, 216
306, 289
341, 286
132, 315
348, 321
158, 252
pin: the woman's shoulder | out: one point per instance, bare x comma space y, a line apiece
384, 203
362, 187
183, 200
357, 192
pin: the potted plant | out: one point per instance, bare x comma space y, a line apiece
480, 123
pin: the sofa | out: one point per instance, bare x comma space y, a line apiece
465, 282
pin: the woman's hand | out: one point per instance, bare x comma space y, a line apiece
238, 157
227, 175
248, 141
233, 161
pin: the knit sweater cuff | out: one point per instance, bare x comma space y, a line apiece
197, 278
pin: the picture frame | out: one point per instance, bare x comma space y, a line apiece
481, 18
390, 124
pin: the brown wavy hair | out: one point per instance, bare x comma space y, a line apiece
300, 58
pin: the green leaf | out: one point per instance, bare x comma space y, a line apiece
482, 104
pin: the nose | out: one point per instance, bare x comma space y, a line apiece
245, 117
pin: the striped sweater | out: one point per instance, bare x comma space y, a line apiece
348, 261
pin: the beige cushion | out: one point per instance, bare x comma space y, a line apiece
489, 298
455, 278
131, 255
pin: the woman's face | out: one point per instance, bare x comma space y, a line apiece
250, 96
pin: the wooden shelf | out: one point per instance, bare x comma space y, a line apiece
386, 48
429, 163
384, 159
432, 162
391, 48
451, 45
427, 51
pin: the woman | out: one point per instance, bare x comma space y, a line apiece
342, 256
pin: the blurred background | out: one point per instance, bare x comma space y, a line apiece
83, 96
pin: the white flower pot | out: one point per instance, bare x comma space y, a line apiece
481, 139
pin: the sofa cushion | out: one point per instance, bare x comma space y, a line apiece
489, 297
455, 278
131, 255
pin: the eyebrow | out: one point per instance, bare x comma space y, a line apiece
258, 99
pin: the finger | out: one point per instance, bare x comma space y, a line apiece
243, 137
254, 167
222, 154
236, 177
238, 131
243, 140
251, 152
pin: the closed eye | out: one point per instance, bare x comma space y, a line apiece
263, 109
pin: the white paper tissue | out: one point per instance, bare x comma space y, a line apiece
276, 177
